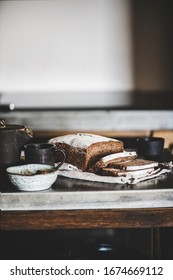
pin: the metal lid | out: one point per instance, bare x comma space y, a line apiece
4, 127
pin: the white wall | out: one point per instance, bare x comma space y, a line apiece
70, 46
85, 52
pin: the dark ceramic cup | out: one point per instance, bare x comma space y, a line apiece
150, 147
43, 153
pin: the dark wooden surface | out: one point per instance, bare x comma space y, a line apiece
85, 219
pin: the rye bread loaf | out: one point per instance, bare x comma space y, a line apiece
113, 159
83, 150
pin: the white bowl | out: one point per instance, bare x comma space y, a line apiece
23, 177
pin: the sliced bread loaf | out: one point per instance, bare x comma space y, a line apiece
83, 150
113, 159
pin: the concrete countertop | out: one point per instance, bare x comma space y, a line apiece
70, 194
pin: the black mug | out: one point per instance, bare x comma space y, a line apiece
43, 153
150, 147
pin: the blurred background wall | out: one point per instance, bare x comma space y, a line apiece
85, 52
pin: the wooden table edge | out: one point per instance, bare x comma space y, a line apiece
87, 219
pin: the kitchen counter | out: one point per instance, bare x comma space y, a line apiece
74, 194
78, 204
75, 204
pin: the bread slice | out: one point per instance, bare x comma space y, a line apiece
133, 173
83, 150
113, 159
136, 164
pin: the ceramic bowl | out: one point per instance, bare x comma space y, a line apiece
150, 147
23, 177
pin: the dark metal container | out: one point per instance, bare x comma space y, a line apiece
12, 139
